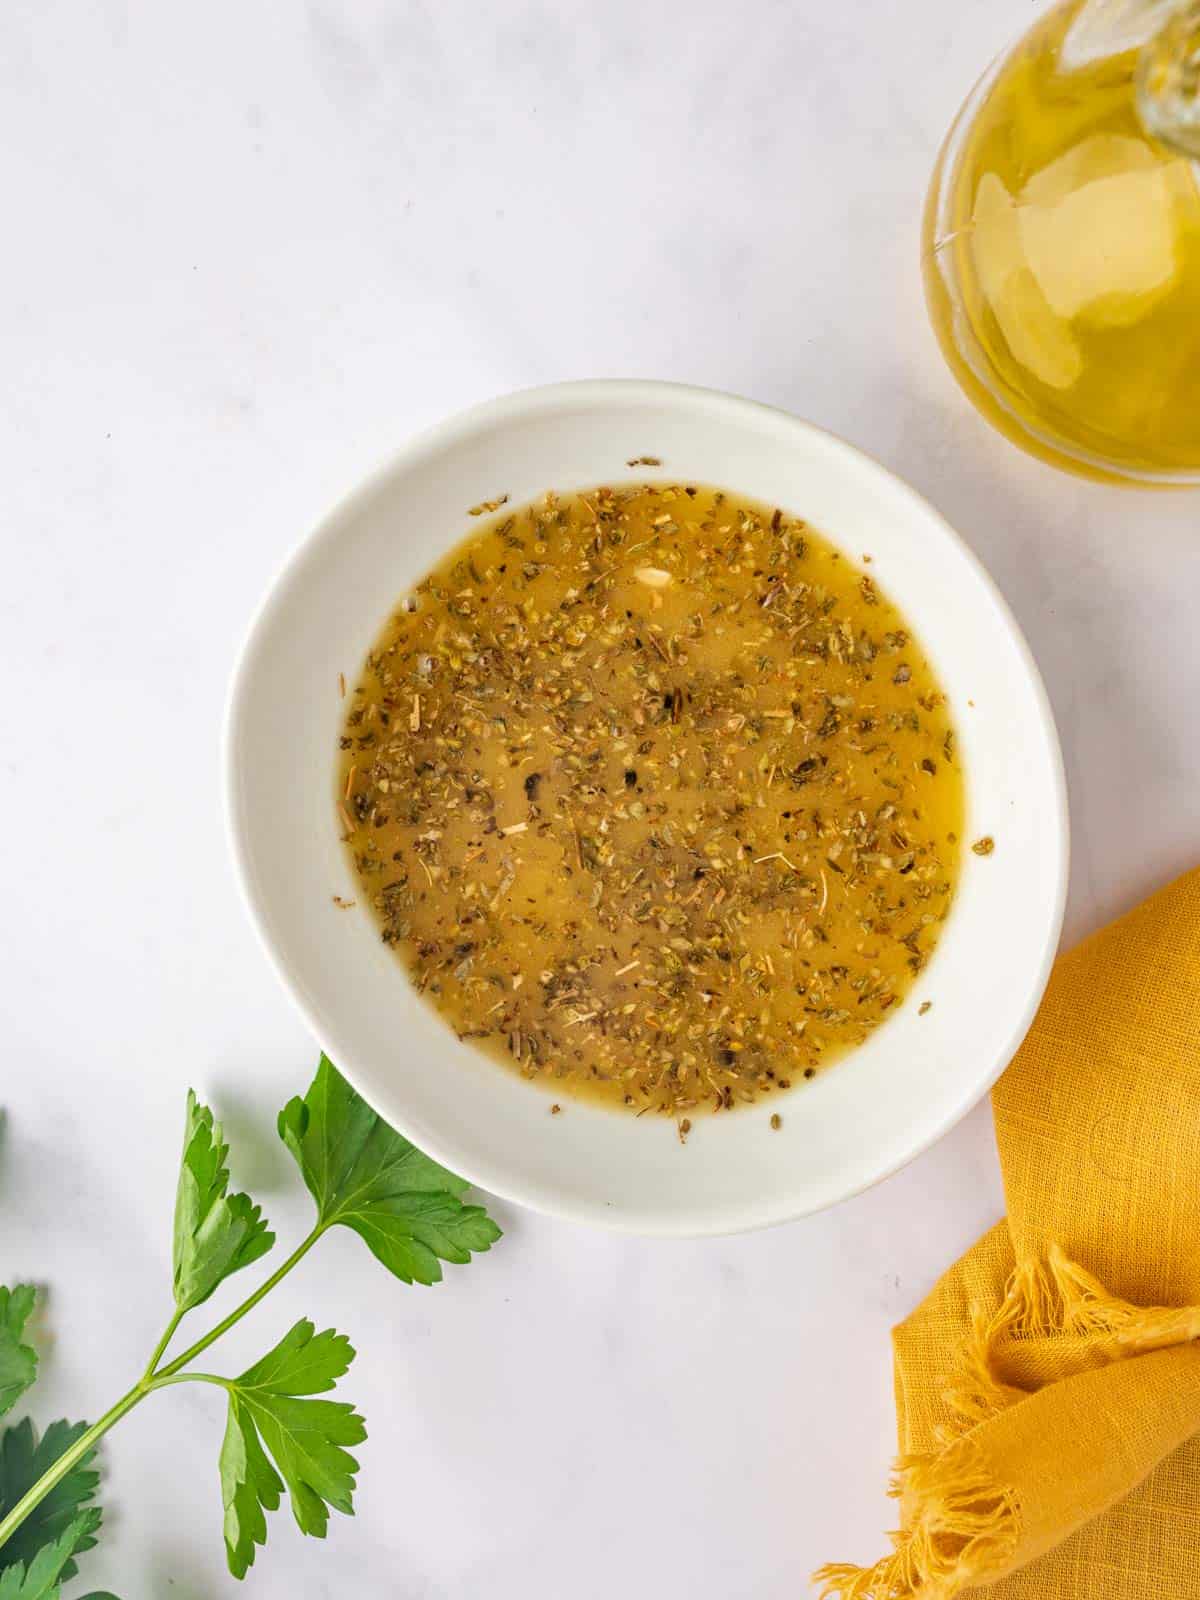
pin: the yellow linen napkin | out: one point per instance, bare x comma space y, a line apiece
1048, 1390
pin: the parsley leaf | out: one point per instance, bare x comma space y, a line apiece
18, 1362
43, 1576
23, 1460
269, 1421
215, 1233
366, 1176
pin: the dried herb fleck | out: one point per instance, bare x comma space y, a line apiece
486, 506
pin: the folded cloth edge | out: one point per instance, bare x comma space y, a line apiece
963, 1525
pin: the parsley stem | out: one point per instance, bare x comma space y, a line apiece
192, 1377
147, 1384
162, 1344
69, 1458
248, 1304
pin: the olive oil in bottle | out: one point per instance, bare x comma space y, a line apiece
1062, 241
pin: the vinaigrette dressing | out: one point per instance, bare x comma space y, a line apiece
654, 795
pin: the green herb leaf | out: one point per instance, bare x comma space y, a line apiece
366, 1176
268, 1421
23, 1460
216, 1233
301, 1363
18, 1362
43, 1576
249, 1486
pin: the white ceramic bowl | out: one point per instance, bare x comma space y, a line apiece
850, 1126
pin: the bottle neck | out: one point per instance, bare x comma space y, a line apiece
1168, 80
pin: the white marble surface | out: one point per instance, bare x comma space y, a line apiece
248, 249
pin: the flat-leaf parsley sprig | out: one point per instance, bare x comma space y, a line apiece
279, 1437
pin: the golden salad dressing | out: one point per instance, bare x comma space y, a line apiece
655, 796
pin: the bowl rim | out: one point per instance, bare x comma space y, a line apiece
512, 407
